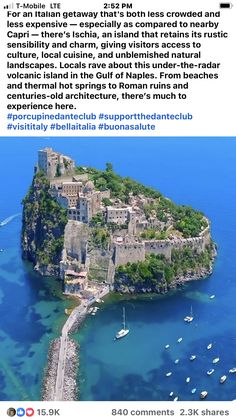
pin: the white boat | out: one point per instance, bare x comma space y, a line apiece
168, 374
189, 319
232, 370
179, 340
203, 394
167, 346
223, 379
8, 219
171, 394
209, 372
123, 332
209, 346
192, 357
176, 399
176, 361
188, 379
215, 360
193, 390
212, 296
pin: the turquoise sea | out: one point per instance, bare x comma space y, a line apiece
194, 171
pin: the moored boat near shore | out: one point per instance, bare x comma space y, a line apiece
124, 331
189, 319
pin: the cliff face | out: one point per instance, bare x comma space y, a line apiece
43, 228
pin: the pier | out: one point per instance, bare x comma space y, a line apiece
60, 377
63, 356
73, 321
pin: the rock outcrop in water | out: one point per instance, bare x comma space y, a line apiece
97, 225
158, 275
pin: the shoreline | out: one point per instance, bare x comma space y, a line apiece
163, 289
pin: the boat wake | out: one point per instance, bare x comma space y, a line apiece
9, 219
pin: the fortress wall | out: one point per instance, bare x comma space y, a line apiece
158, 247
206, 236
129, 252
164, 247
193, 243
135, 252
76, 234
198, 243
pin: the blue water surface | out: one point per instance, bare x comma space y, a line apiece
197, 171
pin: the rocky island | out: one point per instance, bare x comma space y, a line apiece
98, 231
90, 226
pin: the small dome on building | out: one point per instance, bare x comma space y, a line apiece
89, 186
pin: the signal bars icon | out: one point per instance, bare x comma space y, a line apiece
9, 6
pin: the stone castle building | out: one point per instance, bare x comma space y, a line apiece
118, 215
81, 200
53, 163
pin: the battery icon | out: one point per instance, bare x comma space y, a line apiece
225, 5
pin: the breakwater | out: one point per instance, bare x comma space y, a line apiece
63, 357
50, 376
68, 388
63, 361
